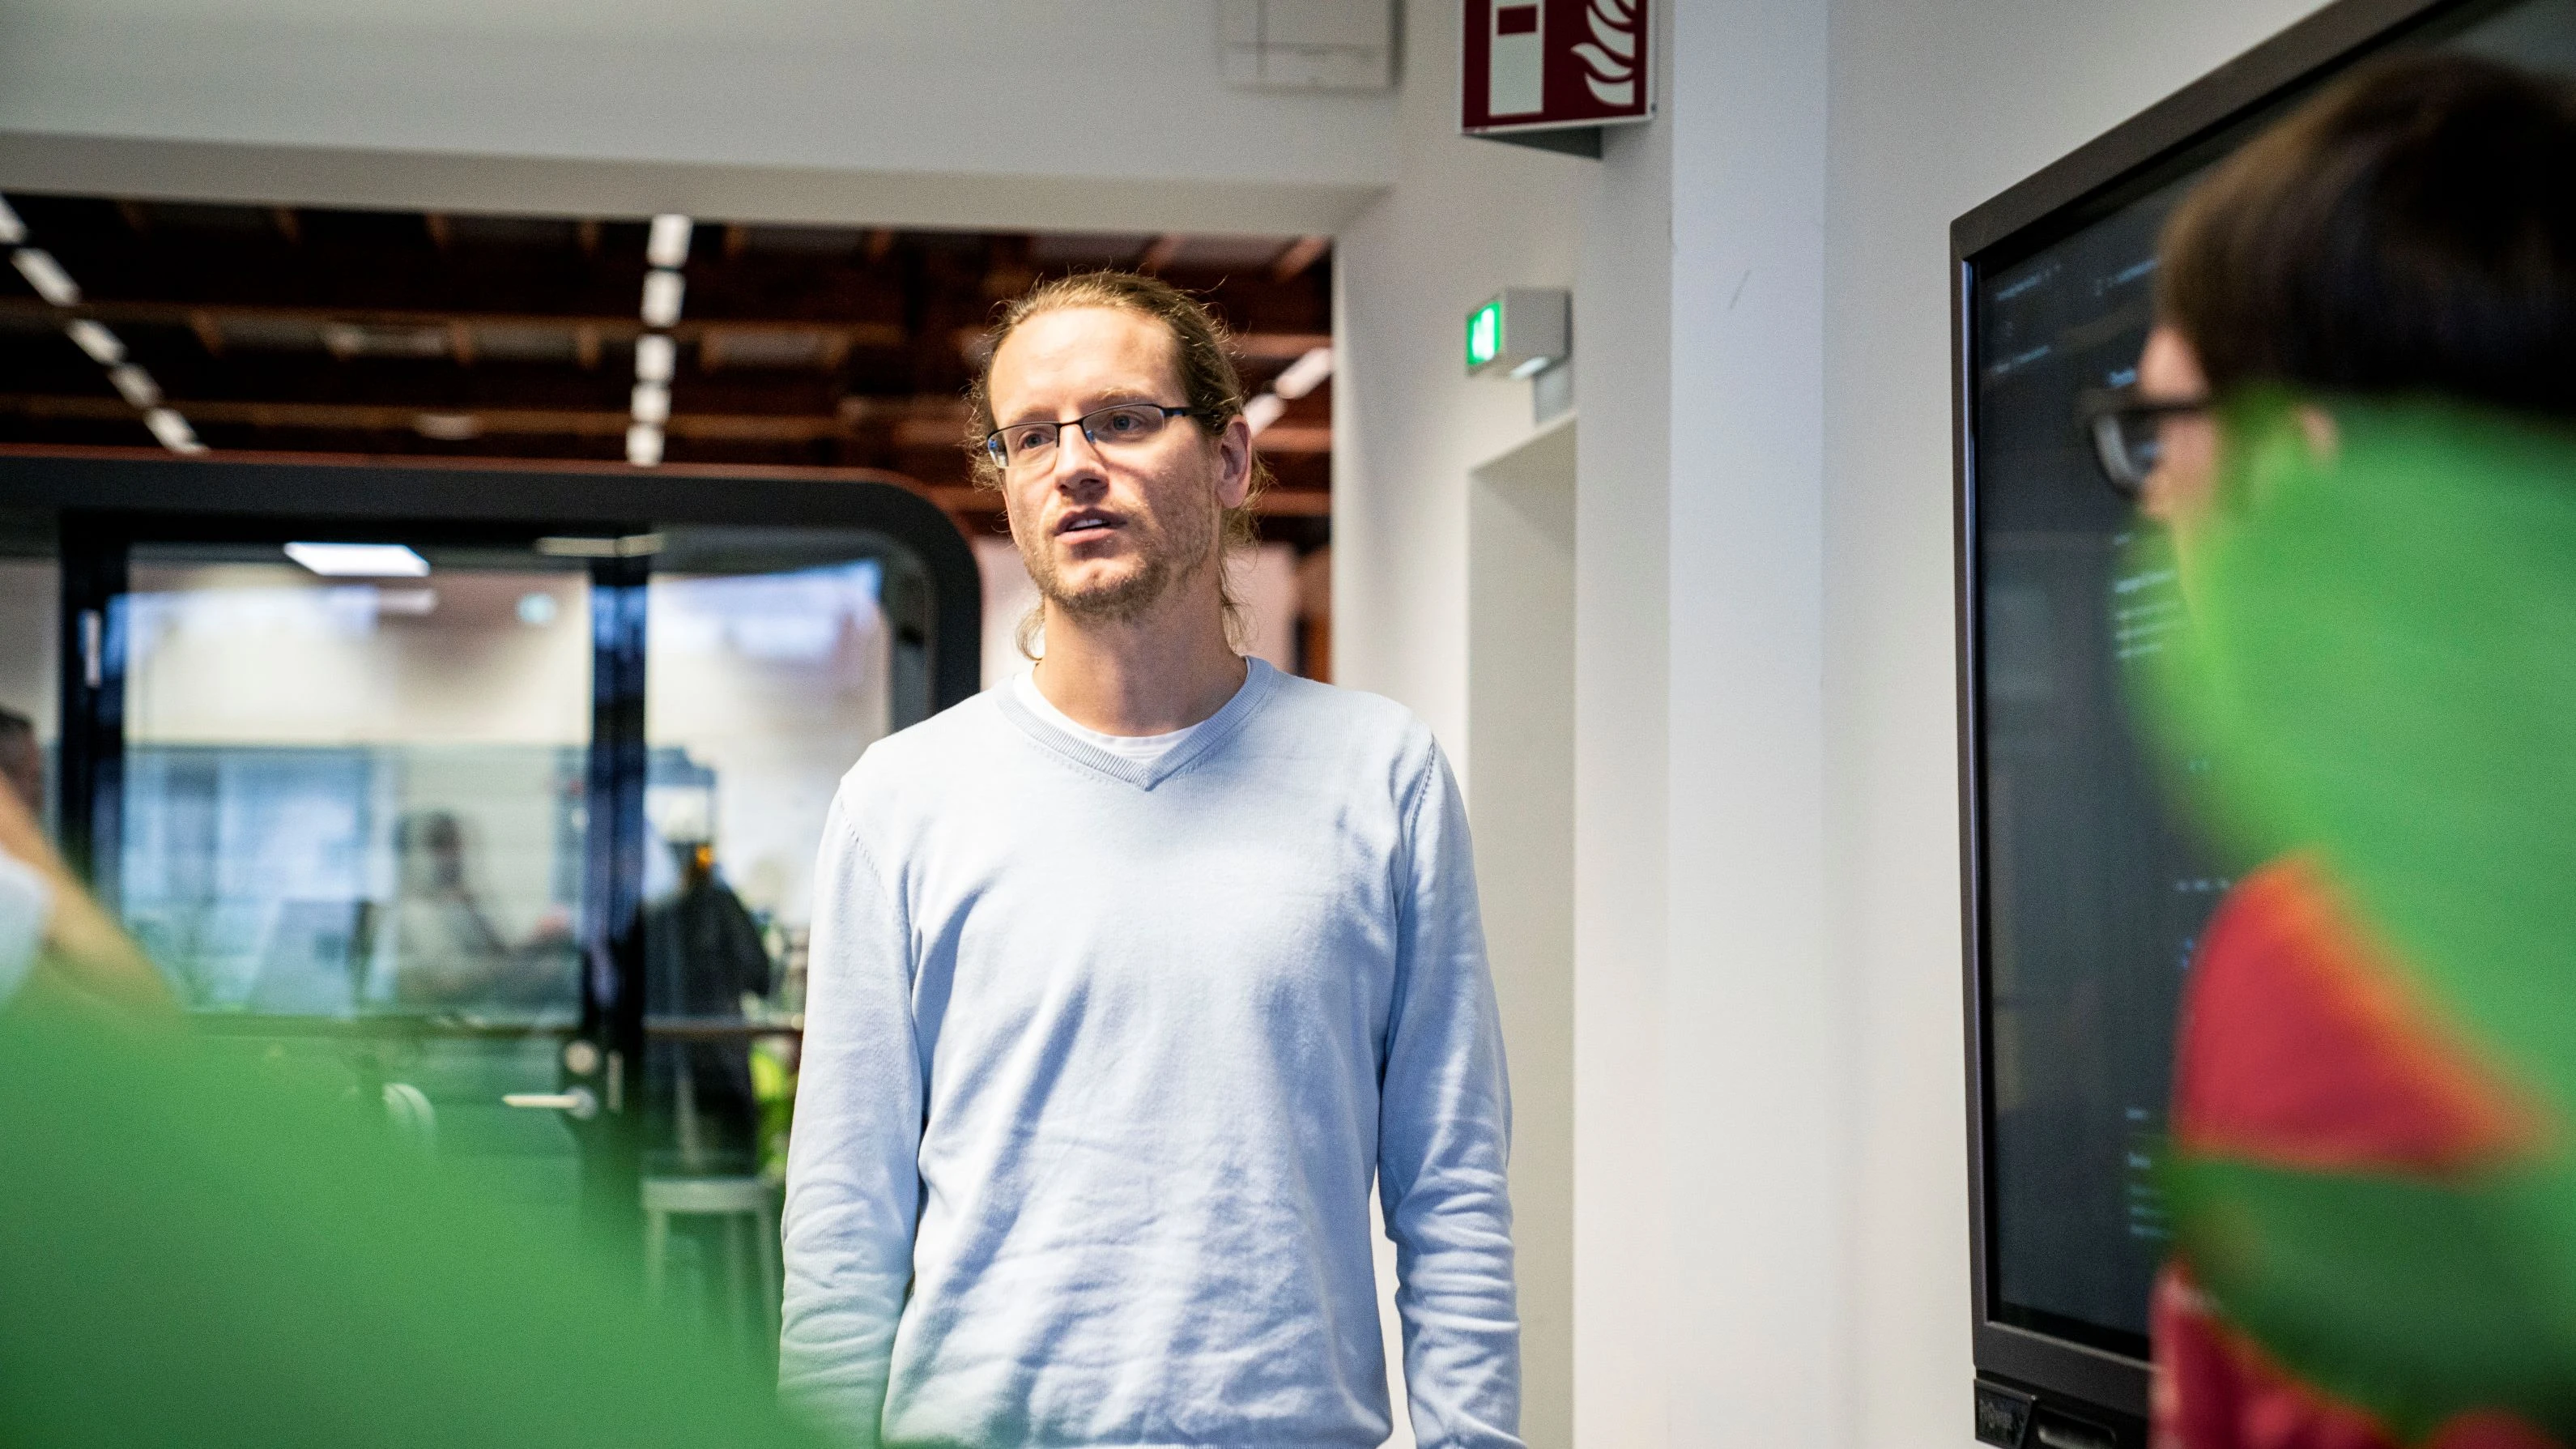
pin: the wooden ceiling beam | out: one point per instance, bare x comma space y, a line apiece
1251, 346
963, 500
182, 314
930, 426
311, 258
1279, 346
382, 417
1297, 256
210, 334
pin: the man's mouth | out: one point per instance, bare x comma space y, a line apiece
1075, 525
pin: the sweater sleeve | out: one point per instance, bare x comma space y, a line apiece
853, 1171
1444, 1140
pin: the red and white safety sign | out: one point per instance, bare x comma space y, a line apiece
1534, 65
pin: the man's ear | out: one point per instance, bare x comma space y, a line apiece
1234, 463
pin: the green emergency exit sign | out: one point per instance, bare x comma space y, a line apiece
1484, 334
1522, 331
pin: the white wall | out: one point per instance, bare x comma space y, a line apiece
1463, 219
31, 594
1935, 108
1111, 114
1520, 794
268, 654
1771, 1236
1709, 1056
1624, 1241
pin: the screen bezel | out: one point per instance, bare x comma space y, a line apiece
2186, 130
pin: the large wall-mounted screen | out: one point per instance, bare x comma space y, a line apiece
2088, 893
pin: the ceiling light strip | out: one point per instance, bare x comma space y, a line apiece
92, 337
666, 250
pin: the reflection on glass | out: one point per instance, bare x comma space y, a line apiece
765, 676
345, 798
351, 830
2093, 895
704, 954
31, 593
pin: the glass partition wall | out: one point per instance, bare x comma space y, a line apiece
356, 800
507, 831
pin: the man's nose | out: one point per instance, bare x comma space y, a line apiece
1078, 466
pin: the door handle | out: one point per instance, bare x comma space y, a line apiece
575, 1102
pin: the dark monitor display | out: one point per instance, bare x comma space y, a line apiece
2087, 893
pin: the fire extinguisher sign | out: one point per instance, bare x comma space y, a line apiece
1534, 65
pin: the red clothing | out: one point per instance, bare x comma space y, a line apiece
2301, 1046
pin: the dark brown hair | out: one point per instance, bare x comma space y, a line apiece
1202, 361
2412, 230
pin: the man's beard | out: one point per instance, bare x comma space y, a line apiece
1168, 551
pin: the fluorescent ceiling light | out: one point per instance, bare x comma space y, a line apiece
633, 545
359, 560
12, 230
662, 292
654, 356
1262, 411
103, 346
173, 431
652, 403
1305, 374
668, 243
136, 384
448, 427
47, 276
644, 445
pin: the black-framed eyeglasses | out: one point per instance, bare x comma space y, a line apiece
1032, 445
2127, 432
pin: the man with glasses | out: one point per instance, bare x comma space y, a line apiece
1130, 980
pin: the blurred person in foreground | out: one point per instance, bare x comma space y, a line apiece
1130, 978
49, 927
195, 1256
2357, 417
22, 761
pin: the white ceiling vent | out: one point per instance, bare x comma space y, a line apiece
1308, 45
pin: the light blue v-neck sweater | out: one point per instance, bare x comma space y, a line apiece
1100, 1061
